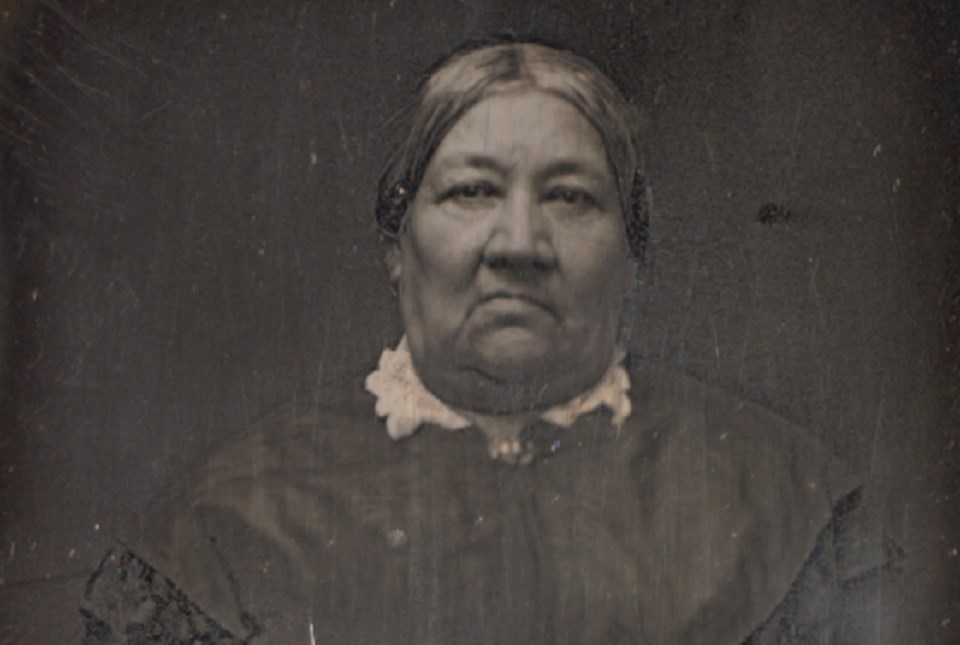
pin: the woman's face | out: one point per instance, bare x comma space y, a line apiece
513, 262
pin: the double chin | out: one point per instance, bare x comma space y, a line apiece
518, 377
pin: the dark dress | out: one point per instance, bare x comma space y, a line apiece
704, 519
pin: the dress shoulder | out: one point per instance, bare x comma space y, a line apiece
170, 565
816, 549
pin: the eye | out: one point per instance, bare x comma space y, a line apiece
577, 198
471, 193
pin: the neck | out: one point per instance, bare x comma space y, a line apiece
483, 394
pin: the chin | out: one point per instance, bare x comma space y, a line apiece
514, 355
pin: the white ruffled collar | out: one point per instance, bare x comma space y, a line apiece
407, 404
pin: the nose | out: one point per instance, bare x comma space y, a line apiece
521, 239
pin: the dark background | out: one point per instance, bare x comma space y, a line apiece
187, 194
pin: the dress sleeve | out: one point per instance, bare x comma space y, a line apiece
128, 601
163, 578
841, 595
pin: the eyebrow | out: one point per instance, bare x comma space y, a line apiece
574, 167
473, 160
556, 168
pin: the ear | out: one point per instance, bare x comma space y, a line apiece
634, 282
394, 261
634, 272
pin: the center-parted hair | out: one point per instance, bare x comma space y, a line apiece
481, 69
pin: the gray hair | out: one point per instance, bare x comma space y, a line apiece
479, 69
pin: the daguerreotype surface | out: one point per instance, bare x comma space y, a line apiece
479, 322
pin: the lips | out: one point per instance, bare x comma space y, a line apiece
511, 300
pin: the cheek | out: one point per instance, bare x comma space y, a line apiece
440, 251
438, 266
597, 269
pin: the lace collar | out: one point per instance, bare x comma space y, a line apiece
406, 404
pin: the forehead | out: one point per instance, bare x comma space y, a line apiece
524, 126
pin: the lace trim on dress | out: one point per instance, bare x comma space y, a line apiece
406, 403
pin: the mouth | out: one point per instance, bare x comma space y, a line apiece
519, 300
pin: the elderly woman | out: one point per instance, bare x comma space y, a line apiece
527, 487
